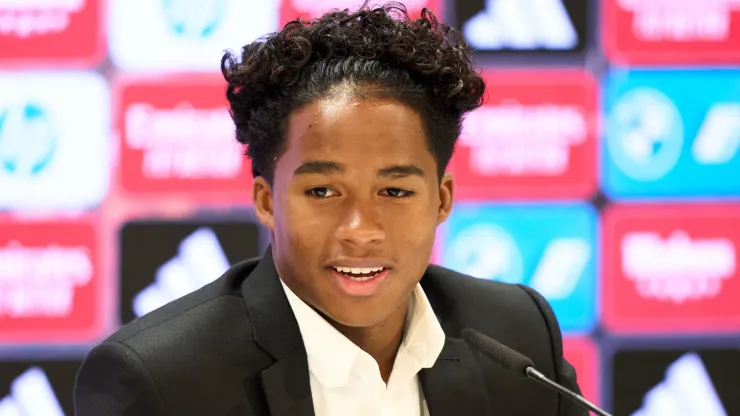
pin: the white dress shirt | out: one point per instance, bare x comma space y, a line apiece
345, 380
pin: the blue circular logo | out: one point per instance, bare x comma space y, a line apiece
486, 251
195, 18
645, 134
28, 140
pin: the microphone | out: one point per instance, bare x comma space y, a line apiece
522, 365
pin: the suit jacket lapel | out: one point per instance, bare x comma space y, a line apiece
287, 388
454, 385
286, 383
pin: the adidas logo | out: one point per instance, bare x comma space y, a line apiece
686, 391
199, 261
31, 394
521, 25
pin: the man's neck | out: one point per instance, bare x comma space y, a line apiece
380, 341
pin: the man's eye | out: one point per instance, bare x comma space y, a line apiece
398, 193
321, 192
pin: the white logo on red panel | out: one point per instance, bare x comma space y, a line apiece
678, 268
516, 139
315, 8
671, 32
46, 33
183, 142
178, 136
26, 18
49, 282
671, 268
41, 281
535, 138
680, 20
291, 10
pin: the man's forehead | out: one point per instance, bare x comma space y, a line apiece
332, 123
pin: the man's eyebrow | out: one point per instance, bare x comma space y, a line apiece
401, 171
321, 167
327, 167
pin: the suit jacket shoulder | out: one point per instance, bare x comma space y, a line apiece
516, 316
234, 348
198, 347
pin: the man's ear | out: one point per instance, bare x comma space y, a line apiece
262, 200
446, 197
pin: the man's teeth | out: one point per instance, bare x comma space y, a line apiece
360, 273
358, 270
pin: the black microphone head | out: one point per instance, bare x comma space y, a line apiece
503, 355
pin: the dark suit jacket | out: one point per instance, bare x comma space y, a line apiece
234, 348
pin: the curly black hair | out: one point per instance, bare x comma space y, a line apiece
380, 51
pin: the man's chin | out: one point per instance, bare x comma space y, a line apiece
355, 317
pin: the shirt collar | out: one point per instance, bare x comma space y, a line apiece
424, 337
332, 356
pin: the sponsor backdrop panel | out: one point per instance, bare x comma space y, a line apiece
656, 32
38, 388
52, 34
51, 281
671, 134
603, 171
549, 247
534, 138
582, 353
164, 260
176, 136
671, 268
49, 123
183, 35
291, 10
674, 377
553, 27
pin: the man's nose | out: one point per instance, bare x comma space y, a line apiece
361, 225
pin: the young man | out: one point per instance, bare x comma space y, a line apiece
350, 121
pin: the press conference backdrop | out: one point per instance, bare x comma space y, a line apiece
604, 171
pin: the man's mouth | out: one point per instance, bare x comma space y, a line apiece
360, 274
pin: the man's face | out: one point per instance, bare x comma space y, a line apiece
354, 207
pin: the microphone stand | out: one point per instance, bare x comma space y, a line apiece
540, 378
